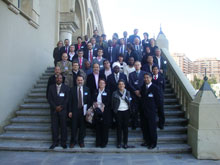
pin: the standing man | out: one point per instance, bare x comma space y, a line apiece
150, 103
132, 37
159, 81
95, 35
135, 83
58, 97
66, 47
90, 53
72, 54
56, 52
79, 103
65, 65
125, 35
159, 60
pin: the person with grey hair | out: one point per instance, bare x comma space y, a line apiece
159, 60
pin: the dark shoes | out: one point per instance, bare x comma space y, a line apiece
82, 145
119, 146
125, 146
72, 145
152, 146
53, 146
64, 146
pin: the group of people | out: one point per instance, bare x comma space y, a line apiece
120, 80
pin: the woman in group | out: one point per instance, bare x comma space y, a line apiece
101, 103
121, 105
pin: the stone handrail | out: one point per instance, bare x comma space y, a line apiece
181, 85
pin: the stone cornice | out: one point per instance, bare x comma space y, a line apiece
67, 26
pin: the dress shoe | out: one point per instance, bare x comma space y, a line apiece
64, 146
103, 146
152, 146
119, 146
161, 127
82, 145
72, 145
125, 146
144, 144
53, 146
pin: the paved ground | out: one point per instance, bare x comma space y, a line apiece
44, 158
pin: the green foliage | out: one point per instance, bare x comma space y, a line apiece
197, 83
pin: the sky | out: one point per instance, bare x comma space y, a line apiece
191, 26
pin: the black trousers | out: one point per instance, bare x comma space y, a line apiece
135, 110
161, 115
122, 118
101, 133
149, 128
78, 127
58, 118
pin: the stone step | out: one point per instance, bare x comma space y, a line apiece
46, 112
46, 136
46, 119
44, 100
47, 128
10, 145
47, 74
46, 105
44, 77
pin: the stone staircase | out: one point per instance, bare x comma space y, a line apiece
30, 129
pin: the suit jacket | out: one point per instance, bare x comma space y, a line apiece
147, 68
51, 81
83, 62
152, 49
144, 59
132, 37
70, 79
112, 54
150, 100
62, 50
132, 54
95, 60
81, 47
112, 84
135, 83
55, 99
87, 53
162, 65
102, 73
73, 103
65, 69
139, 52
145, 43
160, 83
91, 84
106, 100
56, 55
73, 58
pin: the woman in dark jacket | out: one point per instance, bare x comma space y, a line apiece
121, 105
101, 103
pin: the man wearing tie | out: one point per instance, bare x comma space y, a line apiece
90, 53
159, 60
135, 83
58, 97
81, 60
150, 102
122, 48
65, 65
148, 67
158, 80
66, 47
125, 35
79, 103
138, 48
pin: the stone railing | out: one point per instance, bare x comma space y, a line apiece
182, 87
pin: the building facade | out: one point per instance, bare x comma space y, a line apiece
29, 32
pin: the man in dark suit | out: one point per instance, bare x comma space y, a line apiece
125, 37
72, 54
85, 42
148, 67
93, 78
52, 79
81, 60
95, 35
150, 102
132, 37
158, 80
113, 78
58, 97
56, 52
80, 101
66, 47
138, 48
145, 41
159, 60
131, 52
107, 69
135, 83
112, 51
90, 53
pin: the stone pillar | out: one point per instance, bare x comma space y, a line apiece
204, 124
66, 31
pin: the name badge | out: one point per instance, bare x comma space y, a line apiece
150, 95
82, 46
95, 49
62, 94
136, 82
66, 68
104, 94
86, 93
130, 98
101, 66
